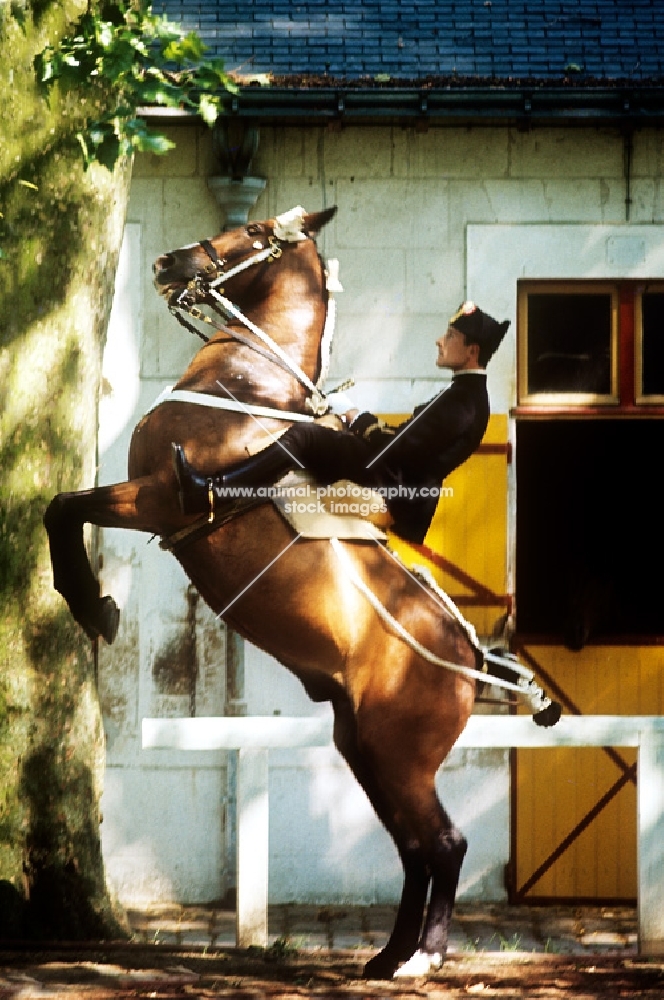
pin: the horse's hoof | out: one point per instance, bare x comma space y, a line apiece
381, 966
89, 628
109, 619
549, 715
422, 963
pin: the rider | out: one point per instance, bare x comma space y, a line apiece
407, 463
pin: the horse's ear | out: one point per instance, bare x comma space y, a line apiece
314, 221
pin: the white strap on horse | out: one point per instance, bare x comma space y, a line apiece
526, 687
316, 402
333, 285
255, 259
171, 395
288, 228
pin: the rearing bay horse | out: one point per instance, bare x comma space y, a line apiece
397, 715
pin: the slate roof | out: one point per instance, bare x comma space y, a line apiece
593, 41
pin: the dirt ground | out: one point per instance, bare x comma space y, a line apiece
115, 972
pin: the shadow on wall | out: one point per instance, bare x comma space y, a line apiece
340, 852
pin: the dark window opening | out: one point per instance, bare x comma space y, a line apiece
652, 307
590, 529
569, 343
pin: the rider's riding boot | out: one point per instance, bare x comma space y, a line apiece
199, 493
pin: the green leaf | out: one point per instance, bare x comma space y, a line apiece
105, 34
208, 108
124, 112
108, 151
43, 65
152, 142
87, 158
118, 62
99, 131
121, 47
156, 92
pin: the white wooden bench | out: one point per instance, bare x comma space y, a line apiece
253, 737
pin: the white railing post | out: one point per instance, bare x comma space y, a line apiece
251, 738
252, 836
650, 840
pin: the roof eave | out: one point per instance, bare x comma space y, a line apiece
458, 104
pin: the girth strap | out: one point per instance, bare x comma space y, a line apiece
171, 395
203, 527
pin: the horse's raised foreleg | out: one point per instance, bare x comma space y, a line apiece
124, 505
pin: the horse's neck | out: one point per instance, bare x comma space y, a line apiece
294, 318
293, 314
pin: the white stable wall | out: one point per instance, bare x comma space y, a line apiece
424, 220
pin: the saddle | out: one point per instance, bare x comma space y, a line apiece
342, 510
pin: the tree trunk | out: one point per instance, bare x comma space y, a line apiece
60, 234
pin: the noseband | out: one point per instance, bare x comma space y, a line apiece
204, 287
217, 263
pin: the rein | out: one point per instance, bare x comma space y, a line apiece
203, 287
232, 334
524, 686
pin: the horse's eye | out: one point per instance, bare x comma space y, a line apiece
253, 229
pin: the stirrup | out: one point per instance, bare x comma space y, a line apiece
211, 498
196, 492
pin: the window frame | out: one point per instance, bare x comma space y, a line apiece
568, 401
641, 398
631, 406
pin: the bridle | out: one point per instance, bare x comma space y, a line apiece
207, 287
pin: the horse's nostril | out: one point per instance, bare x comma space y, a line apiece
163, 263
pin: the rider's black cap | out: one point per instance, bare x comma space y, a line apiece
478, 327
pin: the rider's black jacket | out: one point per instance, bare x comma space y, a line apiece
421, 452
407, 463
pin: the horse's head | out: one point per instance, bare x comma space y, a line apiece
200, 264
266, 280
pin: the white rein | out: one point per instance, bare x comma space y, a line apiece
525, 686
316, 402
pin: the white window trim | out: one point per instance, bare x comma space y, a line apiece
499, 255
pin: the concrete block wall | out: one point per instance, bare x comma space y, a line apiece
406, 201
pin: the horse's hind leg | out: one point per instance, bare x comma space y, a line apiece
406, 930
107, 506
403, 940
402, 741
448, 854
445, 862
